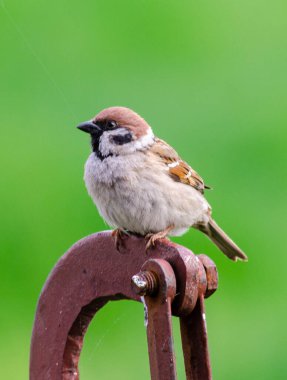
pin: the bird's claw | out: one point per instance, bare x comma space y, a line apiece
152, 238
119, 235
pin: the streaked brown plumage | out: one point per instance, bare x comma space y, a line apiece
140, 184
178, 169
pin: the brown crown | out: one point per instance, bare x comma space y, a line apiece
125, 117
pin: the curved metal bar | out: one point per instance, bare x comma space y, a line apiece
89, 275
94, 272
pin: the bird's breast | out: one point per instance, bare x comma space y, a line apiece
113, 169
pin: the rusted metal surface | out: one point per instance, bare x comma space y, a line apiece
193, 326
201, 281
158, 321
194, 343
81, 283
211, 275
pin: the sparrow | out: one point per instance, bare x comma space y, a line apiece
141, 185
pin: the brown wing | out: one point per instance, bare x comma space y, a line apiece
178, 169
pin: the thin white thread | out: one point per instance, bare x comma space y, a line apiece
99, 342
36, 56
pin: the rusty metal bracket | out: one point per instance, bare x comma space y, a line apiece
170, 280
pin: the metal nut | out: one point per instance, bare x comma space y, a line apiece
144, 283
211, 274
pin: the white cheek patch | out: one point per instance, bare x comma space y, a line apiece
122, 139
109, 146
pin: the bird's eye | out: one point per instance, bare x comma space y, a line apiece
111, 124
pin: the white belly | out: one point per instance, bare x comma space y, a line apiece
132, 193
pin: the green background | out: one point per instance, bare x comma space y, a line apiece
210, 77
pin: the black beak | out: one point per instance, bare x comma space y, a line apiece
89, 127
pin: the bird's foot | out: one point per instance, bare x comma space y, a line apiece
119, 235
152, 238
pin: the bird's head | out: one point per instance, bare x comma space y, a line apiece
116, 131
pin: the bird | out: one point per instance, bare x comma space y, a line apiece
141, 186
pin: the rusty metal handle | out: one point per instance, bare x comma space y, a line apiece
80, 284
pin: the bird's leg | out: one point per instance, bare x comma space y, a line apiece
152, 238
119, 234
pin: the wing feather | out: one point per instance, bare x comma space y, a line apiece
178, 169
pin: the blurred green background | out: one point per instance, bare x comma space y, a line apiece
210, 77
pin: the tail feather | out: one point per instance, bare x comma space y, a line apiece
222, 241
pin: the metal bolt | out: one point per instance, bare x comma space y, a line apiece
144, 283
211, 274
